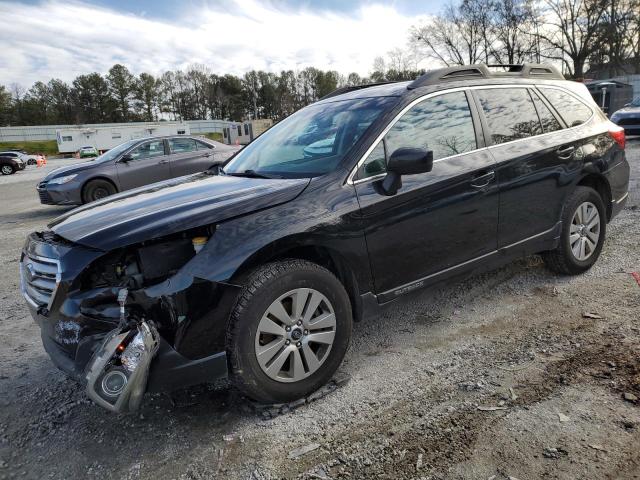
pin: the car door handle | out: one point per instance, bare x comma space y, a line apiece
483, 179
565, 153
162, 162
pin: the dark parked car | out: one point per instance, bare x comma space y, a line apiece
629, 117
258, 270
11, 163
129, 165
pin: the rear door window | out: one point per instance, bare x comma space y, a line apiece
182, 145
572, 110
203, 146
510, 114
549, 121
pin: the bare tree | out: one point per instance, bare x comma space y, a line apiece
619, 30
514, 27
460, 36
572, 32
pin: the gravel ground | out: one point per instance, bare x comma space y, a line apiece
500, 377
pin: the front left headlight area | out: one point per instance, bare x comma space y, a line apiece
62, 180
146, 264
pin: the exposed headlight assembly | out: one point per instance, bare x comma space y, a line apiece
61, 180
118, 372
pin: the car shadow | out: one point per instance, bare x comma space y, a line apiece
47, 214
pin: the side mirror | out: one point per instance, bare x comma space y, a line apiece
126, 158
410, 161
404, 161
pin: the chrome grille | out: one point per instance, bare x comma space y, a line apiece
39, 279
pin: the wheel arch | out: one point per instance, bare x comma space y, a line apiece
326, 257
601, 185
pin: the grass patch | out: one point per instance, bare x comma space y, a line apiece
48, 147
217, 136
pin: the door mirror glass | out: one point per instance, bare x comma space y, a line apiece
410, 161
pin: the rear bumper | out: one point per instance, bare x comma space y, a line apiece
618, 179
618, 205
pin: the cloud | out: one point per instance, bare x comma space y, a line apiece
57, 39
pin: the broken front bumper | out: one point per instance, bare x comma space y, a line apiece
190, 315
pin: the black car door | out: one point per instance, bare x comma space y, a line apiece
189, 156
535, 161
438, 220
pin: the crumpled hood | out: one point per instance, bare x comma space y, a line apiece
173, 206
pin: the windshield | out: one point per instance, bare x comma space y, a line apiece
115, 152
311, 142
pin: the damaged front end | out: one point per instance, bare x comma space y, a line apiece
170, 334
118, 372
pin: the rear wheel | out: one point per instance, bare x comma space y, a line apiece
583, 232
7, 169
96, 190
289, 331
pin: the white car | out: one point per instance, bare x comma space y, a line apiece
88, 151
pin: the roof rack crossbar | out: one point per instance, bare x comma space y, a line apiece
524, 70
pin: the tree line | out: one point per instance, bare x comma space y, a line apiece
573, 34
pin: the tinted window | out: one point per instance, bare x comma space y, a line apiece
510, 114
182, 145
148, 150
442, 124
572, 110
549, 122
203, 146
375, 163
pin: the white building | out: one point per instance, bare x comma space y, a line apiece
105, 137
245, 132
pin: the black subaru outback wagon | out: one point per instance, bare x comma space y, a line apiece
257, 270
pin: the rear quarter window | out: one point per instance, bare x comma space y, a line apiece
572, 110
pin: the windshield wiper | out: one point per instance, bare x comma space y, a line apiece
248, 174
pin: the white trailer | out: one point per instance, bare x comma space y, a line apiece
70, 140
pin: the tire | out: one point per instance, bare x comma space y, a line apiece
96, 190
7, 170
31, 161
568, 258
277, 284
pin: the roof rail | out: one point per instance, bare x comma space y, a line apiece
470, 72
351, 88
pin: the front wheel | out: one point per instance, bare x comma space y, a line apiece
96, 190
584, 224
7, 170
289, 331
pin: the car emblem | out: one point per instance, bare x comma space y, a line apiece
29, 271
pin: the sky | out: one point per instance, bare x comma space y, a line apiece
40, 40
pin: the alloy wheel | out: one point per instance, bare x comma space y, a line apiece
585, 231
7, 170
295, 335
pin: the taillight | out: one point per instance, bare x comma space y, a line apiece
617, 133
